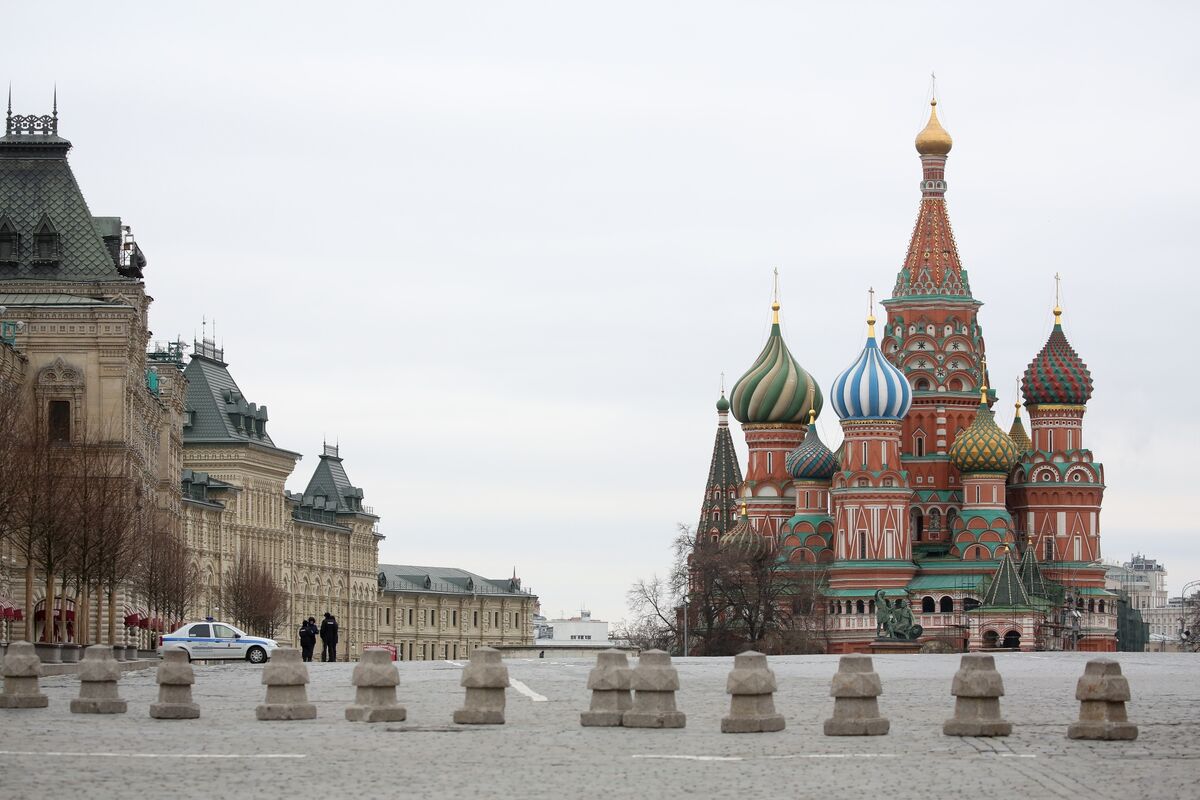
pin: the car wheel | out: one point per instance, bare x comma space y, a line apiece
256, 655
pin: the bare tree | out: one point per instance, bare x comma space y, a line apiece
252, 598
166, 574
653, 624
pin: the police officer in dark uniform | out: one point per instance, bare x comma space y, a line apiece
308, 638
329, 638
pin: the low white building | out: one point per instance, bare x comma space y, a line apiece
573, 631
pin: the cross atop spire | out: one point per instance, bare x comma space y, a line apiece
1057, 299
871, 313
775, 300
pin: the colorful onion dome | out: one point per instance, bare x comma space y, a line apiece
1017, 431
933, 139
982, 446
811, 460
776, 389
722, 404
1057, 374
871, 388
741, 537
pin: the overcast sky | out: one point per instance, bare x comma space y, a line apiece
503, 251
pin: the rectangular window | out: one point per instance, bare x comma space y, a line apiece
474, 619
454, 618
1048, 549
59, 420
410, 617
770, 462
387, 616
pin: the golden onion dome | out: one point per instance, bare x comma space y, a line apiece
933, 140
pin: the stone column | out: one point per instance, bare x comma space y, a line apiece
978, 688
855, 689
1102, 693
654, 683
610, 682
376, 679
98, 676
285, 677
175, 678
21, 670
485, 679
752, 705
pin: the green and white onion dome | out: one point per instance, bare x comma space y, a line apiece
776, 389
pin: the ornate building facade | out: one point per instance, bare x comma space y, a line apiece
927, 498
74, 337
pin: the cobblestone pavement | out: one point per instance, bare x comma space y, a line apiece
543, 751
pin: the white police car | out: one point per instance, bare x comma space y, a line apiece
210, 639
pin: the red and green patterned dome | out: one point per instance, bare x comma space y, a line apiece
982, 446
1057, 374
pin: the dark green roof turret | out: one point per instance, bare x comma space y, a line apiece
1006, 589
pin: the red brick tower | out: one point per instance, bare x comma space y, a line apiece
1055, 490
933, 336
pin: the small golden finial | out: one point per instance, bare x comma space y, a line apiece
871, 313
983, 387
812, 416
1057, 299
775, 300
1017, 399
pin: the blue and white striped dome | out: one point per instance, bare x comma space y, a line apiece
871, 388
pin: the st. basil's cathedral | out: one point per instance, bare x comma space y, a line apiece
991, 538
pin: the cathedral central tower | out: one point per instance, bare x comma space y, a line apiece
933, 336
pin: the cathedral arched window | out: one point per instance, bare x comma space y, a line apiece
946, 604
922, 385
860, 607
927, 605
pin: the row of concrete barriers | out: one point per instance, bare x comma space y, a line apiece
638, 697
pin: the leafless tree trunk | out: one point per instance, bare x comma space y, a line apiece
252, 598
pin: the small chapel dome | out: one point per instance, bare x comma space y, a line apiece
982, 446
722, 404
776, 389
871, 388
811, 460
741, 538
933, 139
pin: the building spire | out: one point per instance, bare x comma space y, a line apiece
1057, 300
775, 300
871, 313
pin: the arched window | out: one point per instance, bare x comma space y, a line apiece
860, 607
927, 605
946, 604
922, 385
1101, 606
1012, 640
991, 639
1091, 606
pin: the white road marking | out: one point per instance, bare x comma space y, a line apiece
694, 758
152, 755
837, 755
525, 690
455, 663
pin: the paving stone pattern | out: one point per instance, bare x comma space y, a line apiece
429, 756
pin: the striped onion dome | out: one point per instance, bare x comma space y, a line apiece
1057, 374
871, 388
776, 388
811, 460
982, 446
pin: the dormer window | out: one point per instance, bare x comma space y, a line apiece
46, 245
10, 244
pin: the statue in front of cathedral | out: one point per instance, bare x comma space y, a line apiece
894, 620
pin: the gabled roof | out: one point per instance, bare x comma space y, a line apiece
330, 481
445, 580
1006, 589
36, 183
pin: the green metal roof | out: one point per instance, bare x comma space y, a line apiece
1006, 589
969, 583
14, 300
862, 592
330, 481
214, 399
36, 182
445, 580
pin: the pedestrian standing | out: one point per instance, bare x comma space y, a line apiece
308, 638
329, 637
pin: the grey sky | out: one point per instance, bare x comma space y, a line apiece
503, 251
